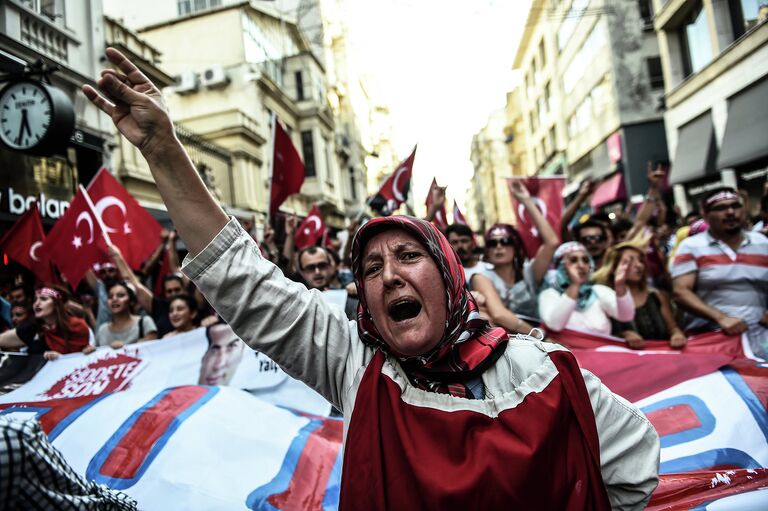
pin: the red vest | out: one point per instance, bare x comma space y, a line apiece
542, 454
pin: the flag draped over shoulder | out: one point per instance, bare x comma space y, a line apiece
547, 194
287, 169
395, 189
130, 227
23, 243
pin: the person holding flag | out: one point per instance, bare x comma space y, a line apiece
418, 356
512, 286
436, 206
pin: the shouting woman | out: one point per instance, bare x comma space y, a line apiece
440, 409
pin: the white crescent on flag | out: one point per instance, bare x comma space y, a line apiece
33, 249
521, 213
395, 184
106, 202
85, 216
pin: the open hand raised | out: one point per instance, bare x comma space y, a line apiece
133, 102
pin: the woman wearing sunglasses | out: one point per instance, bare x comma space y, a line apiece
571, 301
511, 287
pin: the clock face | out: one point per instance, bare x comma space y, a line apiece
25, 115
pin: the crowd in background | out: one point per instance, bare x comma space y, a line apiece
647, 275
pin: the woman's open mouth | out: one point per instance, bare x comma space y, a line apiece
403, 309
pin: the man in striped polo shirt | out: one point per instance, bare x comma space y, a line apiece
721, 275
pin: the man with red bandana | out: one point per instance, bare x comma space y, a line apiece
721, 275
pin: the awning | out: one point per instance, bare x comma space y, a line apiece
610, 190
746, 132
696, 148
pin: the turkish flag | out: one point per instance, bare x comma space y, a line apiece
23, 244
394, 191
130, 227
458, 216
440, 221
311, 230
287, 170
547, 194
76, 241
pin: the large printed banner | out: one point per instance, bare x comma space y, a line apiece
707, 402
141, 420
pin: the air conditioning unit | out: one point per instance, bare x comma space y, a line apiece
214, 77
186, 82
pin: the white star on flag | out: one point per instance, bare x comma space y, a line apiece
77, 242
127, 228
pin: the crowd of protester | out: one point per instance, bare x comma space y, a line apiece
649, 276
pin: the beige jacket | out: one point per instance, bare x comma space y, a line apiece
315, 343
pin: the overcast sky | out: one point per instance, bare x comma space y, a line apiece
443, 66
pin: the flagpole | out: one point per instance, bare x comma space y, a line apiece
273, 122
93, 212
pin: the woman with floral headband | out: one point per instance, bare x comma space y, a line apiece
53, 332
511, 287
441, 411
569, 300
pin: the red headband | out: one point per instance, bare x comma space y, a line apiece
47, 291
719, 197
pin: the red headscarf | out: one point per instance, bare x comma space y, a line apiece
469, 344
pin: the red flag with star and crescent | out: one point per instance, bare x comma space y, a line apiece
547, 194
287, 170
311, 230
23, 243
394, 191
130, 227
76, 241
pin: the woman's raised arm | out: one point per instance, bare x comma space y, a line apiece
138, 110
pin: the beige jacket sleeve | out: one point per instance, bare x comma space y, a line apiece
309, 339
629, 447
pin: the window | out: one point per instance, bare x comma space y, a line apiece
552, 139
548, 97
308, 148
746, 14
571, 19
646, 11
352, 183
542, 108
299, 86
191, 6
655, 74
542, 55
694, 39
584, 57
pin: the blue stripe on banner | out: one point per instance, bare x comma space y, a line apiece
708, 459
706, 418
754, 404
333, 490
257, 500
93, 472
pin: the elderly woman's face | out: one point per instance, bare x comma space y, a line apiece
404, 291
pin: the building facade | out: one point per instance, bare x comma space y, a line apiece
237, 63
715, 61
59, 43
590, 98
490, 158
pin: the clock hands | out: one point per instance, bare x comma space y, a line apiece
23, 126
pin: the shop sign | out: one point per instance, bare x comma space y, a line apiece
16, 203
